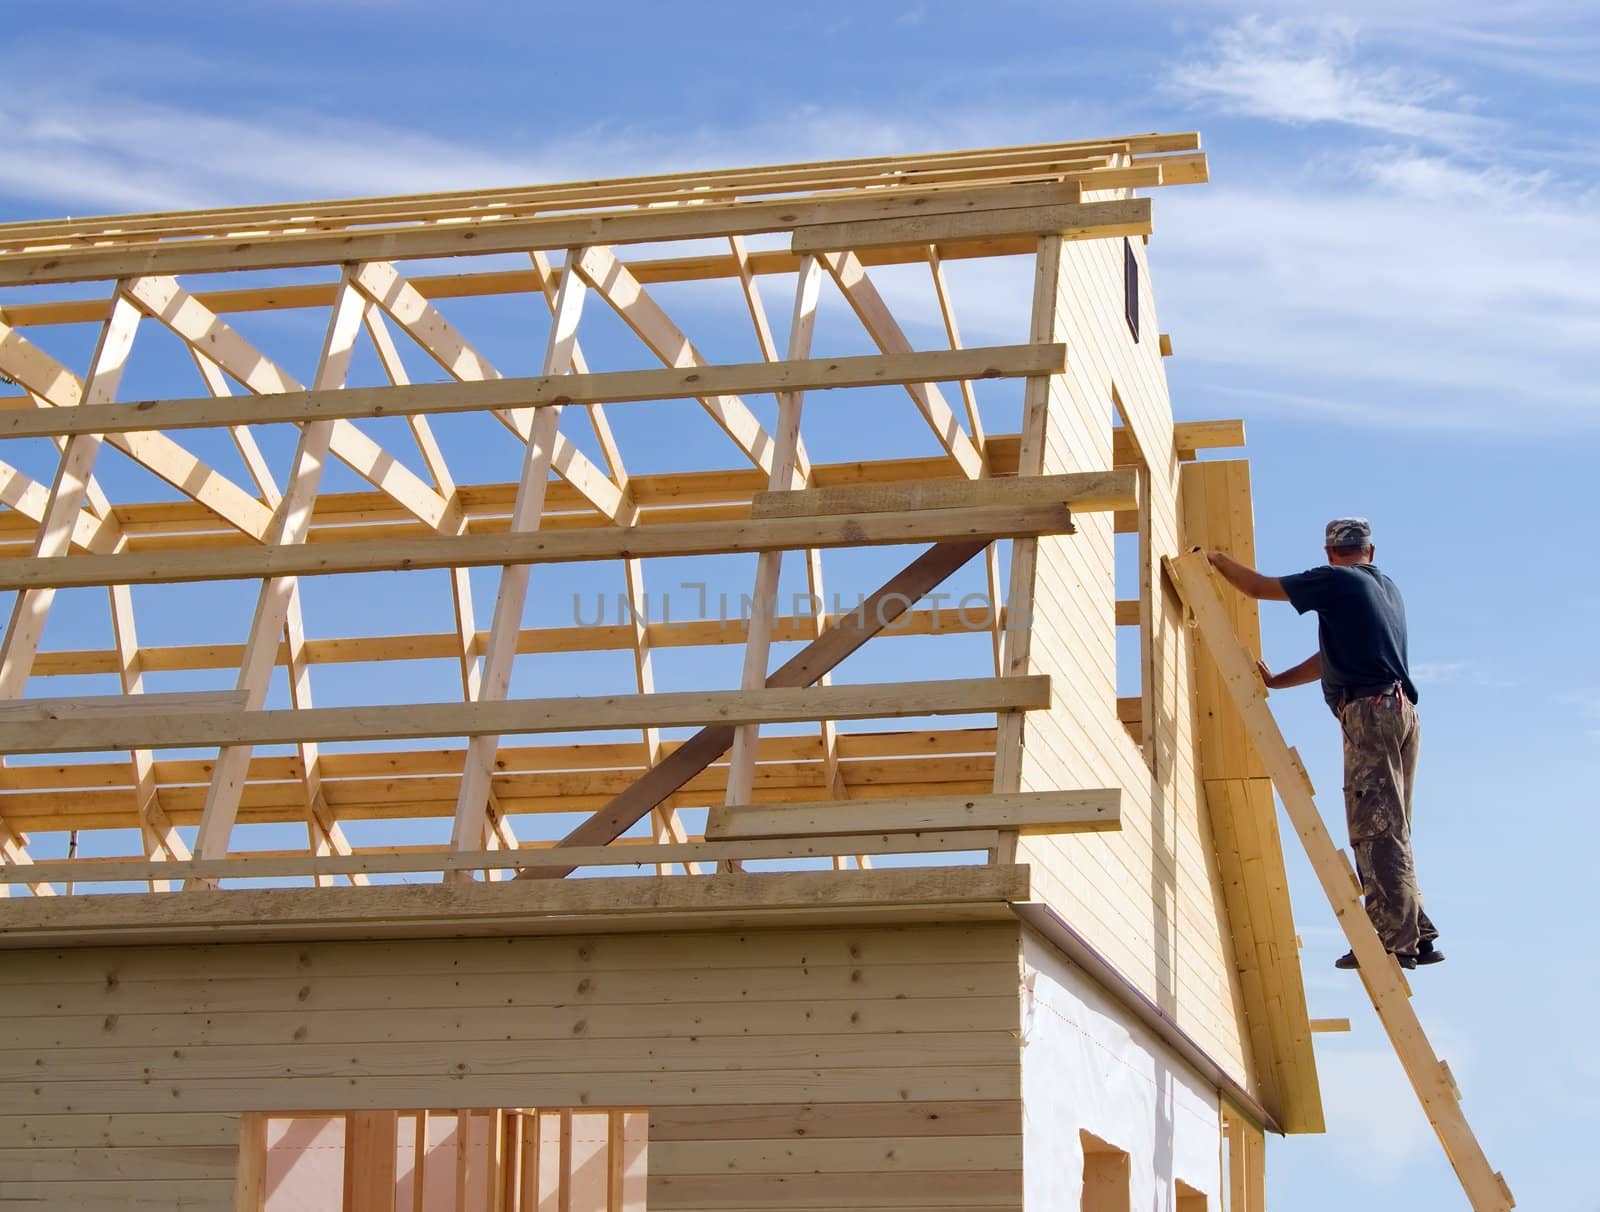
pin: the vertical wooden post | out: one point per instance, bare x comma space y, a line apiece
463, 1144
250, 1176
1025, 552
529, 1193
369, 1160
419, 1162
615, 1161
564, 1170
494, 1160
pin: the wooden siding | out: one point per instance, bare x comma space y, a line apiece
1147, 897
850, 1067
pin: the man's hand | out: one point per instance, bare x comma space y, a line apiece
1308, 670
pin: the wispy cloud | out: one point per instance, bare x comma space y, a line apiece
1400, 290
1299, 72
1456, 673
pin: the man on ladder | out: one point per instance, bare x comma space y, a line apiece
1361, 662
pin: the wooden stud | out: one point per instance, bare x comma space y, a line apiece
564, 1168
369, 1160
463, 1153
419, 1161
250, 1174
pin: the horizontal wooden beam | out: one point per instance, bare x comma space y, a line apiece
1084, 492
537, 547
1077, 221
446, 645
1188, 438
116, 706
1089, 160
523, 907
1325, 1026
518, 716
429, 859
1037, 812
608, 387
558, 231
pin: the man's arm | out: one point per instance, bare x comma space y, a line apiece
1246, 579
1308, 670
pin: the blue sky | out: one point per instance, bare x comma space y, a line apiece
1393, 277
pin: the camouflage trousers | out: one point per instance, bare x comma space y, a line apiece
1381, 738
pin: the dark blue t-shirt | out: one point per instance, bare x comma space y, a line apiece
1361, 627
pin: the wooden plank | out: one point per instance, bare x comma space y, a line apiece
616, 1169
1019, 163
776, 1121
1325, 1026
1094, 164
1045, 327
1379, 973
621, 386
536, 547
1071, 221
890, 839
774, 704
1085, 492
115, 706
510, 235
369, 1160
250, 1178
1042, 811
54, 537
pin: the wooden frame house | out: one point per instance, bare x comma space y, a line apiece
348, 867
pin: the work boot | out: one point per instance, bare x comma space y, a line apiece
1427, 953
1348, 961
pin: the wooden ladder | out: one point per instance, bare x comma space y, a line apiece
1382, 975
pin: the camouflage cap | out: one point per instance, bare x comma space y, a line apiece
1349, 532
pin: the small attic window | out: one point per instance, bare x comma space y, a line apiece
1130, 288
